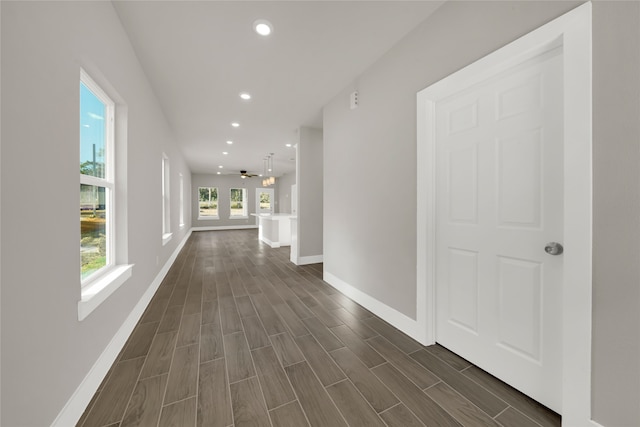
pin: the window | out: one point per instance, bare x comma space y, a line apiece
208, 203
103, 177
166, 201
181, 200
265, 201
97, 183
238, 203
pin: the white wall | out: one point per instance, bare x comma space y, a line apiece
46, 351
309, 170
0, 229
616, 209
224, 183
283, 192
370, 225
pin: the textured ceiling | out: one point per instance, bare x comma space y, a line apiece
200, 55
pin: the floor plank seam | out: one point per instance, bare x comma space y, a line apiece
400, 402
259, 285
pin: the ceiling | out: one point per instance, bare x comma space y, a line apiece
199, 56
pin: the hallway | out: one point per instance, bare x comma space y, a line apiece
236, 335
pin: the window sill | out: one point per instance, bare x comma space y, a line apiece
166, 238
99, 290
239, 217
208, 218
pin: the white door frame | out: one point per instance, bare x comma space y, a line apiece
572, 31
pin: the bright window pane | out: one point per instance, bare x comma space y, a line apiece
238, 202
92, 133
208, 201
265, 201
93, 229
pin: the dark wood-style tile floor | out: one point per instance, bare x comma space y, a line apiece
236, 335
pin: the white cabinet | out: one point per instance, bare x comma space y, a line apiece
274, 230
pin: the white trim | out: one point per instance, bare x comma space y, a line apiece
313, 259
166, 199
224, 227
269, 242
238, 216
96, 181
208, 218
76, 405
404, 323
94, 87
99, 290
166, 238
181, 196
573, 32
108, 182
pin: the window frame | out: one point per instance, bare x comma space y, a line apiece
209, 217
181, 181
245, 201
108, 182
98, 286
166, 200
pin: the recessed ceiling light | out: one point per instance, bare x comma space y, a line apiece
235, 124
219, 173
225, 153
262, 27
229, 142
246, 96
288, 145
220, 167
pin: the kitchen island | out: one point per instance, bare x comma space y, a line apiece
274, 229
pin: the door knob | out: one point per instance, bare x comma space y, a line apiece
553, 248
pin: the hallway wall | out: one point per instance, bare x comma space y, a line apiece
309, 172
616, 213
46, 351
370, 225
283, 192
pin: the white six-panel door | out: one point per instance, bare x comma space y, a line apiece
499, 198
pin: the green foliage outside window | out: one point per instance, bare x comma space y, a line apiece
237, 202
208, 201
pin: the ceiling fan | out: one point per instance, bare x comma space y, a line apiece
245, 174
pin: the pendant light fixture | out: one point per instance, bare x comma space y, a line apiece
272, 179
268, 171
264, 172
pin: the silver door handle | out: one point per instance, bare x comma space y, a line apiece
553, 248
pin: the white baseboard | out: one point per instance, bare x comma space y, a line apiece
314, 259
76, 405
401, 321
579, 420
270, 243
224, 227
